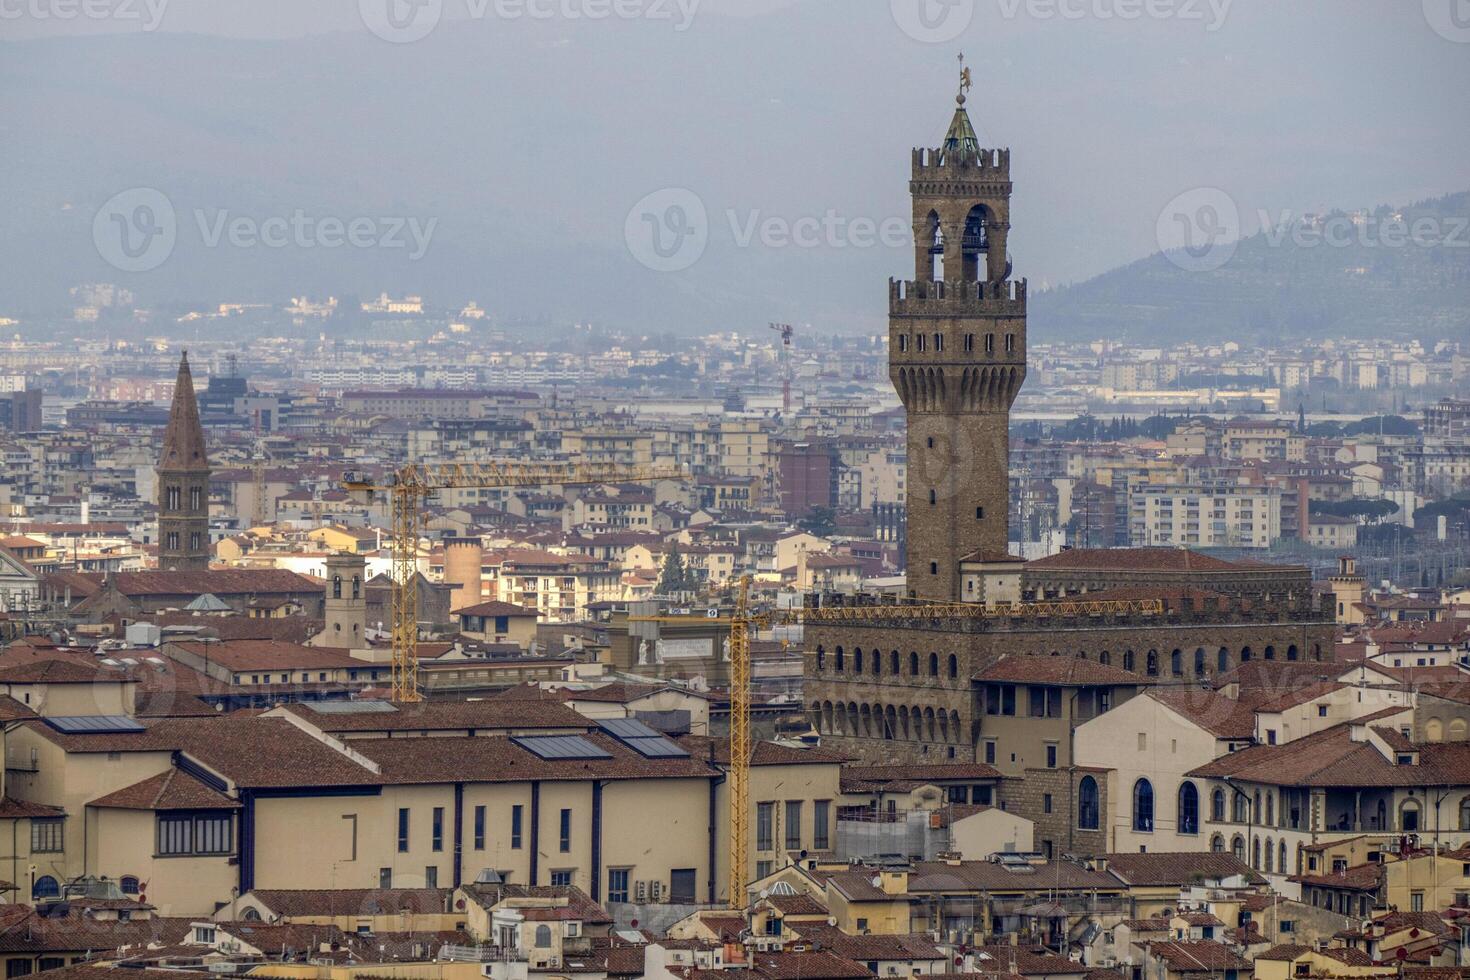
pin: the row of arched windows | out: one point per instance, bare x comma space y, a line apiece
47, 887
895, 664
1186, 807
872, 662
894, 722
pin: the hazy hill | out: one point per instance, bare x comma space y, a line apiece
528, 143
1289, 282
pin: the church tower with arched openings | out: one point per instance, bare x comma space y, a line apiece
957, 355
183, 483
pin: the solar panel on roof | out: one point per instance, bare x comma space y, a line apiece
656, 748
627, 728
560, 747
94, 724
641, 739
352, 707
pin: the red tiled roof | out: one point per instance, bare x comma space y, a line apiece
1215, 713
169, 790
1136, 559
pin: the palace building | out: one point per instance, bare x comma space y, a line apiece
1044, 645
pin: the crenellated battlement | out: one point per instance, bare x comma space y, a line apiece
921, 298
1076, 613
941, 164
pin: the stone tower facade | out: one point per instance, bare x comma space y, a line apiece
346, 603
183, 483
957, 355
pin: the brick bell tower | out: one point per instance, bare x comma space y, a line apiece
183, 483
957, 355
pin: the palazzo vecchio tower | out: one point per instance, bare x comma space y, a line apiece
957, 355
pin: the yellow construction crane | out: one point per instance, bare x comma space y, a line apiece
743, 624
409, 489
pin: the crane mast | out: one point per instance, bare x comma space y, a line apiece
407, 493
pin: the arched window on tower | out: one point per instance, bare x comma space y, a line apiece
935, 242
976, 245
336, 586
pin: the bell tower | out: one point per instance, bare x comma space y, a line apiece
957, 355
183, 483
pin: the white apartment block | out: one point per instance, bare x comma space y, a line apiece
1197, 516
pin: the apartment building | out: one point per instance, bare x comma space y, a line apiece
1204, 516
559, 587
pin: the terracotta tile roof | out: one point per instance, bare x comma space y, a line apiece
943, 876
407, 761
11, 808
1136, 559
1198, 957
352, 901
1156, 924
221, 582
1299, 696
802, 904
862, 949
13, 710
818, 965
1029, 961
429, 716
1331, 758
1215, 713
857, 886
1168, 869
169, 790
1056, 671
1285, 951
24, 931
576, 901
1361, 878
496, 608
238, 655
59, 671
717, 750
619, 692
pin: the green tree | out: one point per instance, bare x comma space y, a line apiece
674, 578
